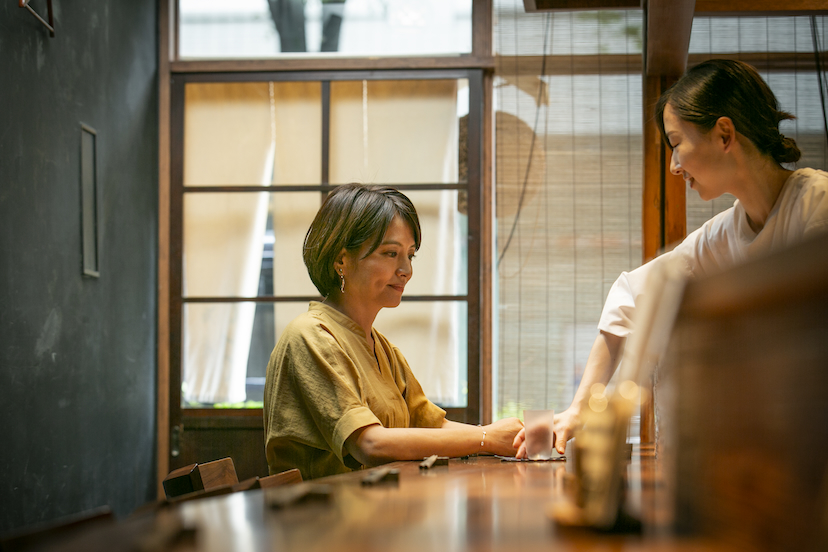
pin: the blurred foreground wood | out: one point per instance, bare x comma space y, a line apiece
745, 410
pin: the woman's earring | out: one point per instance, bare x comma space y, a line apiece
341, 282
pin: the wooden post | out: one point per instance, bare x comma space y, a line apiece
165, 49
666, 43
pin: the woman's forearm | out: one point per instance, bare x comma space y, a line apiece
378, 445
603, 359
375, 445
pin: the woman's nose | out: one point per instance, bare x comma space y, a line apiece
675, 166
405, 269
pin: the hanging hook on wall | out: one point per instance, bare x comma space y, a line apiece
51, 24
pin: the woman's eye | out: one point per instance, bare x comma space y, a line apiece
392, 253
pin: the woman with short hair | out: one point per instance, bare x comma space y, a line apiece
338, 394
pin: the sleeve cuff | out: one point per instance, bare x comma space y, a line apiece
616, 317
353, 420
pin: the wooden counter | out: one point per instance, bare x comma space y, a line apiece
480, 503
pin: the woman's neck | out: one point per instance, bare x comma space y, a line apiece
757, 187
355, 311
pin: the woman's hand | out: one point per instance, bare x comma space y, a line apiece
563, 428
604, 356
520, 443
501, 436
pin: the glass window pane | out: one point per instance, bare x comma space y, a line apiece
274, 28
252, 133
441, 264
247, 244
226, 348
433, 337
396, 132
232, 239
292, 216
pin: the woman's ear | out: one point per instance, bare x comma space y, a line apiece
339, 260
725, 133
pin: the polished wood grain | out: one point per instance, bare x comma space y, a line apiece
39, 536
218, 472
288, 477
200, 477
479, 503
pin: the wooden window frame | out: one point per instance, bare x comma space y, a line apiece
471, 412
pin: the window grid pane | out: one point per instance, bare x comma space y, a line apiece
246, 242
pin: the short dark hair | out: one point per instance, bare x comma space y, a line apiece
351, 216
729, 88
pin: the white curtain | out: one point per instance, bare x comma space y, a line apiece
382, 132
228, 141
401, 132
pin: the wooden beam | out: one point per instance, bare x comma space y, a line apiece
603, 64
482, 29
331, 64
703, 7
656, 194
652, 227
623, 64
166, 51
487, 306
666, 44
482, 49
533, 6
668, 24
675, 204
761, 7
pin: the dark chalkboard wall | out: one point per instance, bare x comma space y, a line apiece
77, 354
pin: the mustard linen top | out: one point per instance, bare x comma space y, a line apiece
324, 382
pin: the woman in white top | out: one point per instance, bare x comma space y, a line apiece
721, 121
